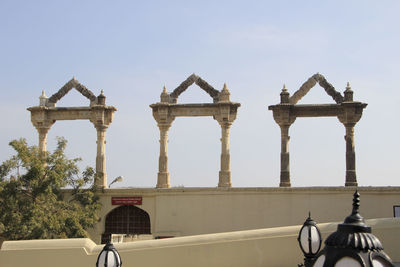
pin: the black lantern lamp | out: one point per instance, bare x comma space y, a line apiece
353, 245
309, 241
109, 257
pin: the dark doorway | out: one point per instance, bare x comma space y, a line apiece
127, 219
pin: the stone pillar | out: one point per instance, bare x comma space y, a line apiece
285, 169
351, 179
225, 177
163, 174
43, 138
101, 155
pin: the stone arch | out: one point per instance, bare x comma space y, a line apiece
101, 115
71, 84
126, 219
347, 110
222, 110
310, 83
211, 91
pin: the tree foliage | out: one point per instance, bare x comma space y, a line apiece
44, 195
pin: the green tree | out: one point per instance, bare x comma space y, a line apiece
43, 195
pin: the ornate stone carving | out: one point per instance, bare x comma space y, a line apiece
46, 114
67, 87
310, 83
188, 82
222, 110
346, 110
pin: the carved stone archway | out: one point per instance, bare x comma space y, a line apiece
348, 112
222, 110
101, 115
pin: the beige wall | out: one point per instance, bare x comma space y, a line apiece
194, 211
263, 247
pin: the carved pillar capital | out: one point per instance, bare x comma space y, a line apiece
42, 123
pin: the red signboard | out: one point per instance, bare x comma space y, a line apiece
126, 200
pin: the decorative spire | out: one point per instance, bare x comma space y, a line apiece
356, 202
348, 93
284, 95
353, 232
101, 99
164, 95
224, 95
43, 99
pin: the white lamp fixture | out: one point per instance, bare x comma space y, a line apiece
309, 240
109, 257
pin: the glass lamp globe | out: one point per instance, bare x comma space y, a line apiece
109, 257
309, 238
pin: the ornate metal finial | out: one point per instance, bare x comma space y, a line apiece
353, 232
284, 88
164, 89
102, 92
356, 202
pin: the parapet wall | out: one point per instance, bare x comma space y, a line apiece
196, 211
262, 247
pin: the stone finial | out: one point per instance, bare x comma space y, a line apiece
284, 95
101, 99
164, 95
224, 95
348, 93
43, 99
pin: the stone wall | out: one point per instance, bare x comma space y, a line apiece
263, 247
194, 211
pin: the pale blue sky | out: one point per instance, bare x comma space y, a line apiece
130, 49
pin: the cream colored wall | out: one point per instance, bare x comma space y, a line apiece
263, 247
193, 211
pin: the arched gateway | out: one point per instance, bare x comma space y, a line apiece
101, 115
127, 219
222, 110
348, 112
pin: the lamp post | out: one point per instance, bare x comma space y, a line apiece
109, 257
352, 245
118, 179
309, 241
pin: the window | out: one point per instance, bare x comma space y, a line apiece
396, 211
